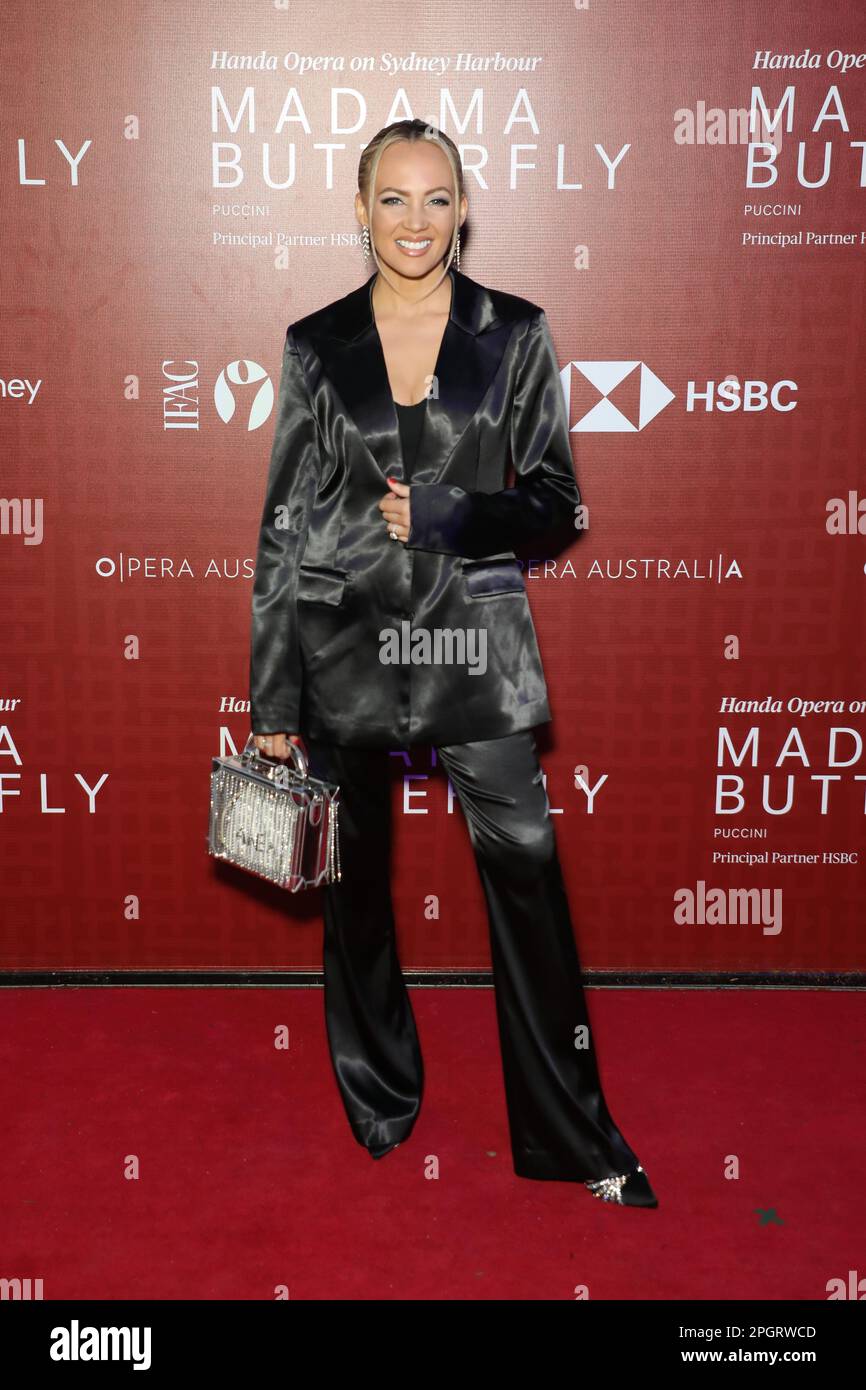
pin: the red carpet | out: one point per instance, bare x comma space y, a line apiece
249, 1177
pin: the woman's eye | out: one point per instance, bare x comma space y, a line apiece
393, 198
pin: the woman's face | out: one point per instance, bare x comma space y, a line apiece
412, 210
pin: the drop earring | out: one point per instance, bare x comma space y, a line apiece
365, 242
457, 252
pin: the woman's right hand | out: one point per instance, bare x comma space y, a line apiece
275, 745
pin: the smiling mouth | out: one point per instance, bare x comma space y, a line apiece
414, 247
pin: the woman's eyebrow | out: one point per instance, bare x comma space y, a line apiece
391, 189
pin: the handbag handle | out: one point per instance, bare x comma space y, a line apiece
251, 752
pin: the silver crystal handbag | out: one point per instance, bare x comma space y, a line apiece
274, 821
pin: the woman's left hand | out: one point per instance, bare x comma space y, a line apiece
395, 509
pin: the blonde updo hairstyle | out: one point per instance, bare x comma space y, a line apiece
411, 131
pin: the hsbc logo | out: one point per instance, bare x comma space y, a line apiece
632, 396
606, 417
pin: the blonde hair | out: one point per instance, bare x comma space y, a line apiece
408, 130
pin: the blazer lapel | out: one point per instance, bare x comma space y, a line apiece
350, 350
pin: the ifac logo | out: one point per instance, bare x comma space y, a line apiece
246, 375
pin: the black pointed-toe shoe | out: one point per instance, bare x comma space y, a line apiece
627, 1190
380, 1153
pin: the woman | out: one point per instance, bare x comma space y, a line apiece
383, 618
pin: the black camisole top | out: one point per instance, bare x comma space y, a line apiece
411, 421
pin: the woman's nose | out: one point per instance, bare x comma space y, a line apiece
417, 220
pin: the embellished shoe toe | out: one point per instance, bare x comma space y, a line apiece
627, 1189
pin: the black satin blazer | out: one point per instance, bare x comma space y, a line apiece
331, 586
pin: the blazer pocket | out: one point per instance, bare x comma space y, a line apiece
317, 584
487, 577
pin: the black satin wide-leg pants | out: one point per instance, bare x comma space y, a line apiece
559, 1123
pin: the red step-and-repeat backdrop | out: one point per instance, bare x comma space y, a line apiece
681, 187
